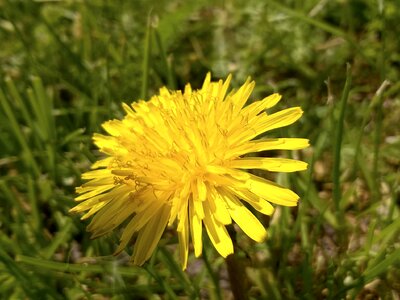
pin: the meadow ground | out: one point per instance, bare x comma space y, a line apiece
66, 66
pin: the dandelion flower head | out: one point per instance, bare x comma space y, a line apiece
180, 160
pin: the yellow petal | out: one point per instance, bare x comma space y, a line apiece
87, 204
277, 120
224, 88
198, 207
148, 210
92, 191
137, 223
272, 192
270, 164
264, 122
218, 235
182, 214
150, 235
207, 81
279, 144
103, 162
268, 144
116, 206
254, 200
95, 183
239, 98
115, 128
256, 107
178, 200
245, 219
218, 207
236, 174
126, 236
183, 237
195, 230
93, 209
202, 190
110, 219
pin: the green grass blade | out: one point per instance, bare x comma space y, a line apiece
146, 58
171, 81
16, 129
21, 277
33, 201
162, 282
381, 267
77, 268
169, 261
58, 239
12, 90
338, 142
45, 105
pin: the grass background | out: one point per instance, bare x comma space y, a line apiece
65, 67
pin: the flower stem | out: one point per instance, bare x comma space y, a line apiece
237, 277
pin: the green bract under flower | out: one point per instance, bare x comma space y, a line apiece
179, 158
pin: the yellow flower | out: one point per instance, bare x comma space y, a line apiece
180, 158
